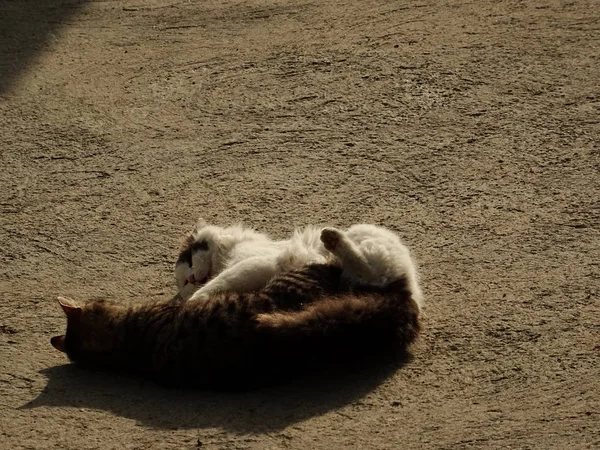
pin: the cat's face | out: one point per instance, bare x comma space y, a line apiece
195, 265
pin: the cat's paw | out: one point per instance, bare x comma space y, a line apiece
199, 296
331, 238
186, 291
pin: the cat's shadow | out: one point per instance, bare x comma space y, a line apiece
264, 410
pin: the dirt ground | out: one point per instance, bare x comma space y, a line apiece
470, 128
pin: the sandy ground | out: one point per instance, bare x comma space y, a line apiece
470, 128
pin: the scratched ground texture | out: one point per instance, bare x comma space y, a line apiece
470, 128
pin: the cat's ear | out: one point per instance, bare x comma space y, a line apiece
71, 309
187, 242
200, 223
58, 342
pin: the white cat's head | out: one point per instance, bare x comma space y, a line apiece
206, 252
199, 258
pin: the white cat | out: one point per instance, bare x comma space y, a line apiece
239, 259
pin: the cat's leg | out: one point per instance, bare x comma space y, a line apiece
349, 255
186, 292
249, 275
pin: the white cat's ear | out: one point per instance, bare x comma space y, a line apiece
71, 309
200, 223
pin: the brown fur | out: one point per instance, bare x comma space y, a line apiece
299, 319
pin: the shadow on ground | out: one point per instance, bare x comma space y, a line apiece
27, 28
265, 410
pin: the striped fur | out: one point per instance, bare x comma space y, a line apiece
300, 319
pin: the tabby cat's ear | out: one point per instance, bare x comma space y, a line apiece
72, 311
58, 342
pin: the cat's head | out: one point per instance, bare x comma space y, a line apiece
198, 257
91, 333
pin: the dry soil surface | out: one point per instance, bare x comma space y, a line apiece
471, 128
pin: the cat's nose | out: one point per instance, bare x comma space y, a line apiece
191, 279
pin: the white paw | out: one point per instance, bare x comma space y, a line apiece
187, 291
199, 296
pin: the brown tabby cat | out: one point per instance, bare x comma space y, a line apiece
235, 341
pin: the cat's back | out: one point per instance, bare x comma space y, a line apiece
367, 232
303, 248
207, 342
256, 245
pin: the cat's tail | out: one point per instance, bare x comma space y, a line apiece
345, 326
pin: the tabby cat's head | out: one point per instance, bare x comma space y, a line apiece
91, 335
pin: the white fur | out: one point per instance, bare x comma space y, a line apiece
240, 259
374, 255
